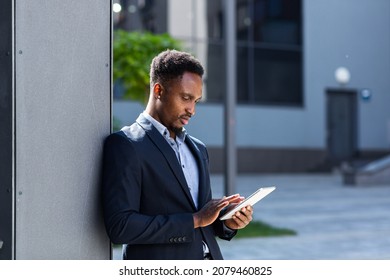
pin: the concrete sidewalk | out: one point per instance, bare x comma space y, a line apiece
333, 221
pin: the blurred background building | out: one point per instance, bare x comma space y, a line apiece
313, 87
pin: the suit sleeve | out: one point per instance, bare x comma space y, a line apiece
223, 231
219, 227
121, 191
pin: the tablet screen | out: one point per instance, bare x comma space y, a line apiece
250, 200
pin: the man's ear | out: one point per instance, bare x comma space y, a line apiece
157, 90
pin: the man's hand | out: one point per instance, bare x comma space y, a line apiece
210, 212
241, 218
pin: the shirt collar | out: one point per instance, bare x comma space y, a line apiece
163, 130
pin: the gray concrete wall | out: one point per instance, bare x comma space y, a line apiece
62, 113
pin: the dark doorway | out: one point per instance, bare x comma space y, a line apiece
341, 124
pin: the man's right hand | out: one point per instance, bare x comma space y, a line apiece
210, 212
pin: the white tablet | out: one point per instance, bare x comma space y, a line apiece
250, 200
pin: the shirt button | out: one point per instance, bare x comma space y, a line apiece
183, 165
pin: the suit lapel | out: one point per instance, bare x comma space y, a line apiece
168, 153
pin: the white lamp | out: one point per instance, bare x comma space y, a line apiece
342, 75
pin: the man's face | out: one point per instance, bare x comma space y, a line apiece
176, 104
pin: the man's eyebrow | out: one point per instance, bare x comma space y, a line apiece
187, 94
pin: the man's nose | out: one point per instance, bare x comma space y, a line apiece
191, 109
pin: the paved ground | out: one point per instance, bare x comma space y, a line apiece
333, 221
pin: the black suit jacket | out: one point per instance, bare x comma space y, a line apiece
146, 201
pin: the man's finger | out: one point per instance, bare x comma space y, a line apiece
231, 197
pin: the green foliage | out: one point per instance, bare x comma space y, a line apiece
133, 53
261, 229
116, 123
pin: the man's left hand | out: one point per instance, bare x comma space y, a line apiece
241, 218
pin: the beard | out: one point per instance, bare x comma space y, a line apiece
177, 130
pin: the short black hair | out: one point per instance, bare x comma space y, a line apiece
171, 64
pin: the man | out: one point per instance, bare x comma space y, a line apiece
156, 186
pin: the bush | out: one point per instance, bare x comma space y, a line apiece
261, 229
133, 53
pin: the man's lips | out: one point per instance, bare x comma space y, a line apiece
184, 119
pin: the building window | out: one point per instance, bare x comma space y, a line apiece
269, 52
141, 15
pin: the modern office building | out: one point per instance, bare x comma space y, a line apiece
313, 86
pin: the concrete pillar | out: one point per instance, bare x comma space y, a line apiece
55, 96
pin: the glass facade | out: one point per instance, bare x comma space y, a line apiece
269, 43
